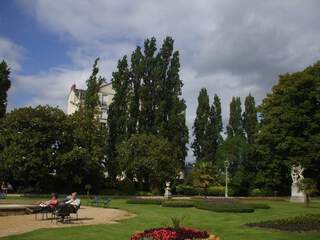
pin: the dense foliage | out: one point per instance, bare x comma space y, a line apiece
149, 160
148, 100
289, 132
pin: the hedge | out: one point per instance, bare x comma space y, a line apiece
258, 205
224, 207
305, 223
144, 201
178, 204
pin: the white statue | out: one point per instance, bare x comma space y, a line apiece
297, 176
167, 191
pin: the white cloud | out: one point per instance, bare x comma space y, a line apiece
232, 47
12, 53
48, 87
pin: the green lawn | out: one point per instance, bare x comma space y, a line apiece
229, 226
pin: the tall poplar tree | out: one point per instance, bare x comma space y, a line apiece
170, 107
136, 76
5, 84
148, 88
250, 120
200, 126
118, 114
234, 127
94, 82
214, 128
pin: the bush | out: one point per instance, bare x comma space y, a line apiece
295, 224
183, 189
258, 205
216, 191
257, 192
224, 207
144, 201
180, 203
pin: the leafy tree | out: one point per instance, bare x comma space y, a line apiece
200, 126
309, 187
118, 113
290, 131
94, 83
32, 141
83, 160
150, 159
235, 120
4, 87
203, 175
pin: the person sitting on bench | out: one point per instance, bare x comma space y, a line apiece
70, 206
47, 205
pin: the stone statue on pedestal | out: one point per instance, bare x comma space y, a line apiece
297, 176
167, 192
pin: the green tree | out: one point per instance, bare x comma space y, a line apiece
150, 159
4, 87
250, 126
32, 140
118, 113
83, 160
136, 73
203, 175
200, 127
170, 107
214, 128
235, 118
94, 82
309, 187
148, 88
289, 133
250, 121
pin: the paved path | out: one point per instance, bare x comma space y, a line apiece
87, 216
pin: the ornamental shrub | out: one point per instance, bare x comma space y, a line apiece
216, 191
305, 223
178, 203
257, 192
235, 207
258, 205
183, 189
144, 201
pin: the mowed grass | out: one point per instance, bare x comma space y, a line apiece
229, 226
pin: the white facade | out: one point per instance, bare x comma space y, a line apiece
76, 98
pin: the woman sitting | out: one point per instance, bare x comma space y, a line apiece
46, 206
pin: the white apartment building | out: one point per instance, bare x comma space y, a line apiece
76, 98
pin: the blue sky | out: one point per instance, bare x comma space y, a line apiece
231, 47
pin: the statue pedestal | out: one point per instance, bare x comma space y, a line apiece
296, 195
296, 199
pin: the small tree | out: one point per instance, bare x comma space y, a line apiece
203, 175
309, 187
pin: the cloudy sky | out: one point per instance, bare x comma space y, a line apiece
230, 47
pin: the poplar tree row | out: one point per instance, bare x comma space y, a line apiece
147, 100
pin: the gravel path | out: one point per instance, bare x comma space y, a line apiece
87, 216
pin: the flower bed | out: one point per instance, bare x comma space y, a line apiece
173, 234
